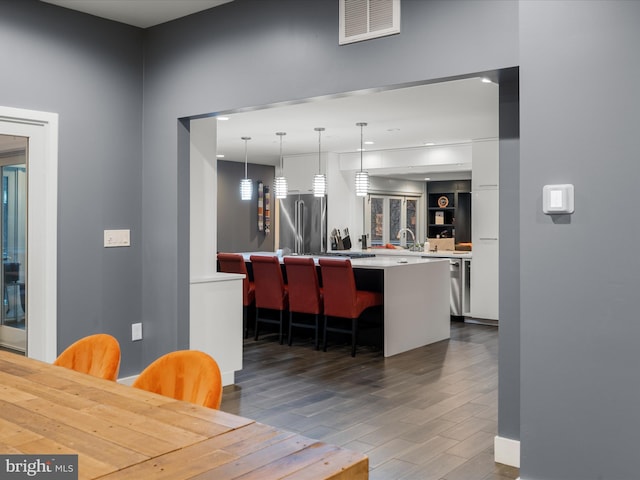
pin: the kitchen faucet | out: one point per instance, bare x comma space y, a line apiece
413, 237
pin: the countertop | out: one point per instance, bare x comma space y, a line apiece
406, 253
388, 261
383, 261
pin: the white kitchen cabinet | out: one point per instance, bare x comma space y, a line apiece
484, 280
300, 169
485, 230
484, 221
485, 165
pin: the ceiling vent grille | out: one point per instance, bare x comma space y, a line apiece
365, 19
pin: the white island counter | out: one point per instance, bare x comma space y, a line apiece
416, 300
416, 297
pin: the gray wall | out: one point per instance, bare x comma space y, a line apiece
88, 71
579, 124
509, 264
238, 219
226, 59
580, 279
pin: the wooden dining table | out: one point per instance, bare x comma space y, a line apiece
121, 432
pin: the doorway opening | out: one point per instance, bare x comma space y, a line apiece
13, 241
29, 246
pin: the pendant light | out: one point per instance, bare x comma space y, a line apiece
319, 180
246, 185
362, 177
280, 188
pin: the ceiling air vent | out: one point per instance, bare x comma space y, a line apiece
366, 19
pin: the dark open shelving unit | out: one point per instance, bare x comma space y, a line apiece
456, 216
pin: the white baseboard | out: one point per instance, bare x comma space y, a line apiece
507, 451
128, 380
228, 378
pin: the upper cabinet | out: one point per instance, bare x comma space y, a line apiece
485, 165
300, 169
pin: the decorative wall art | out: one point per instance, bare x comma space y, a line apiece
260, 206
267, 211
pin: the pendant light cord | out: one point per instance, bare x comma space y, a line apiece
319, 151
245, 158
281, 169
361, 143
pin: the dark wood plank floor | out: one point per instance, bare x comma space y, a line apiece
427, 414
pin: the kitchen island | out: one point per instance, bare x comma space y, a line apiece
416, 298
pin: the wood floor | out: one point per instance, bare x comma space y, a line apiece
427, 414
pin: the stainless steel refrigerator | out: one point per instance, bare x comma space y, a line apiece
303, 224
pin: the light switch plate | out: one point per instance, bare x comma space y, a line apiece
136, 331
117, 238
557, 199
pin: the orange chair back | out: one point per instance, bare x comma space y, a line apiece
188, 375
97, 355
234, 263
269, 283
304, 289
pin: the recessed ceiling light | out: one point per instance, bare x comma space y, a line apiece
369, 142
427, 178
429, 144
220, 155
223, 118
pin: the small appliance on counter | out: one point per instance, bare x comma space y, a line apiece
338, 242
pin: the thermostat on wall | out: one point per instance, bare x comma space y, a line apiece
557, 199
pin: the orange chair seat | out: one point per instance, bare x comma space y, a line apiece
188, 375
97, 355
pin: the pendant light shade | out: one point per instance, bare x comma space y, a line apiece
362, 177
319, 180
362, 184
246, 185
280, 188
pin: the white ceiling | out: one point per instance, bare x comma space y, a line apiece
139, 13
444, 113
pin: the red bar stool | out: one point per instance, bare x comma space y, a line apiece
342, 299
271, 292
305, 295
234, 263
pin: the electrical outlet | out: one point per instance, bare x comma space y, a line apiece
117, 238
136, 331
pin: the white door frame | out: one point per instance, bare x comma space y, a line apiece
42, 225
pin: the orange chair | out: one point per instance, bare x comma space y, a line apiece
97, 355
234, 263
342, 299
188, 375
305, 294
271, 292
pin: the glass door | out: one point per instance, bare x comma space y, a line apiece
391, 218
13, 241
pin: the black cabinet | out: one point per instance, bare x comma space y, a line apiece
449, 210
